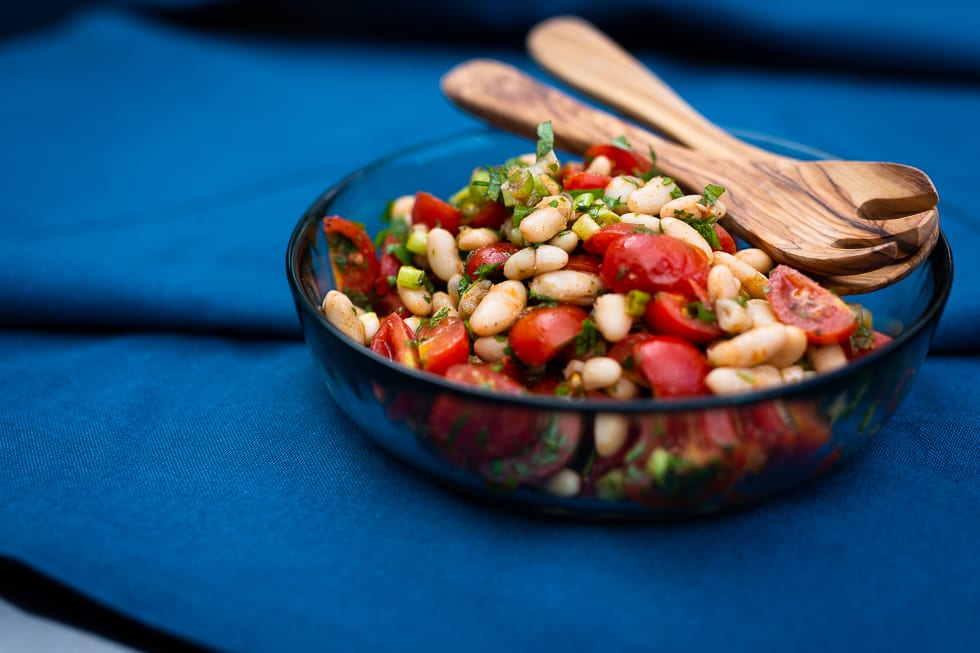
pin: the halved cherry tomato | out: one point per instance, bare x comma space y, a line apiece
673, 367
352, 256
584, 263
541, 333
798, 300
725, 239
491, 216
488, 261
395, 340
874, 342
625, 162
474, 430
434, 212
652, 262
388, 267
443, 344
600, 241
624, 352
668, 313
585, 181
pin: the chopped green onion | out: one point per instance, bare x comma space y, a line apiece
585, 227
636, 302
583, 201
417, 241
410, 277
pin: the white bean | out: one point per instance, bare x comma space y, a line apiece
760, 312
371, 323
619, 188
826, 358
442, 300
690, 206
792, 350
472, 297
600, 372
442, 253
722, 284
535, 260
623, 389
795, 374
601, 165
490, 349
418, 301
611, 430
652, 196
747, 349
611, 318
755, 257
566, 239
452, 287
413, 322
566, 483
470, 239
734, 380
542, 224
732, 316
752, 280
568, 286
643, 219
402, 207
682, 231
499, 309
340, 312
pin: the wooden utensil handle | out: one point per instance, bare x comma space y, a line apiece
583, 57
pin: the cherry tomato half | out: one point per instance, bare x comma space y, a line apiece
352, 256
585, 181
488, 261
541, 333
434, 212
725, 239
856, 347
673, 367
443, 344
652, 262
798, 300
600, 241
395, 340
491, 216
668, 313
625, 161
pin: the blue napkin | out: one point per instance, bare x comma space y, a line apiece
167, 448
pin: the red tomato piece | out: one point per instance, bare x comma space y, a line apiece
474, 430
668, 313
856, 347
651, 262
443, 345
352, 255
488, 261
625, 161
584, 263
624, 352
491, 216
388, 267
434, 212
725, 239
541, 333
600, 241
395, 340
798, 300
585, 181
673, 367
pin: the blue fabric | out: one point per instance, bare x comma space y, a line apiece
167, 448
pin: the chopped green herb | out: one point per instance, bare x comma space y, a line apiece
676, 193
588, 339
636, 302
622, 143
546, 139
699, 311
711, 194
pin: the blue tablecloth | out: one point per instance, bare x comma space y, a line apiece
167, 448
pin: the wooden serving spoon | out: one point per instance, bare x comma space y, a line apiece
579, 54
806, 214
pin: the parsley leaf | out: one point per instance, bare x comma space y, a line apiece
622, 143
704, 227
546, 139
711, 194
587, 339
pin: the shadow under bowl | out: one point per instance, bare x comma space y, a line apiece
682, 457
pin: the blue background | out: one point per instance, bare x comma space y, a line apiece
167, 448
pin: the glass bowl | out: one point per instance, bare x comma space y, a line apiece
683, 457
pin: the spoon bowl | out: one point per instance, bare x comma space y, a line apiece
803, 213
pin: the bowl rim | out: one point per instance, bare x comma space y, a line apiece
942, 275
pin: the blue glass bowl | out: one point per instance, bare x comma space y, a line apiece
784, 437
